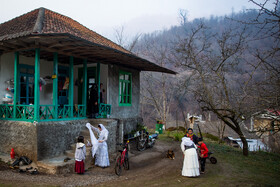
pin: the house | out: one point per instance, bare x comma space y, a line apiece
266, 125
48, 62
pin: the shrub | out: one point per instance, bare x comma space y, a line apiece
211, 137
183, 129
178, 135
171, 129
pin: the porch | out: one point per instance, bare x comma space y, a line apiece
49, 112
26, 106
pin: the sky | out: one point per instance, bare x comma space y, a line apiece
135, 16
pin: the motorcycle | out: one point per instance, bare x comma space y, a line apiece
145, 140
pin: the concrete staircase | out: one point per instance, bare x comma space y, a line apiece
58, 165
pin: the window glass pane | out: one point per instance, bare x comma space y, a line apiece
30, 71
26, 84
31, 90
128, 99
124, 88
129, 89
126, 77
120, 86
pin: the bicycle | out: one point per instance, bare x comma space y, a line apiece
122, 160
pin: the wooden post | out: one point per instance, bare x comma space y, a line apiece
16, 84
71, 86
84, 98
98, 84
55, 84
36, 85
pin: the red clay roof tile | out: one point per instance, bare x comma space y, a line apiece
53, 23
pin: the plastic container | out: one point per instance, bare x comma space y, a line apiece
159, 128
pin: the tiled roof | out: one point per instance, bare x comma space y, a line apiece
53, 32
19, 26
44, 21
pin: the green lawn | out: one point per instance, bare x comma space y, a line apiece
234, 169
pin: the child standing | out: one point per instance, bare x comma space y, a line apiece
80, 156
203, 154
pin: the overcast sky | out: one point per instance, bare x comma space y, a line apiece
137, 16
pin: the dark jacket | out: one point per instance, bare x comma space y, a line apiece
194, 138
92, 100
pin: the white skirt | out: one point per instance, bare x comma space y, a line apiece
101, 156
191, 165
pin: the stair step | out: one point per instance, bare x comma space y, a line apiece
70, 153
56, 165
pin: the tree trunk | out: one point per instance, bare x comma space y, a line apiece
244, 142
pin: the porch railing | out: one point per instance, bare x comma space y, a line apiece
6, 111
104, 110
46, 112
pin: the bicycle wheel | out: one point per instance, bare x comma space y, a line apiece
141, 145
126, 164
118, 167
213, 160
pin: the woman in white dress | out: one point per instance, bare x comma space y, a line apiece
191, 165
101, 155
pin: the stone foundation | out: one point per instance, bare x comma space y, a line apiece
46, 140
22, 136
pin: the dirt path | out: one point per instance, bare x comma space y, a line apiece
151, 162
149, 168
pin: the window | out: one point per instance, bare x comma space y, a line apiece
125, 88
26, 84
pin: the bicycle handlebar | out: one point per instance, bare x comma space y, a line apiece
122, 143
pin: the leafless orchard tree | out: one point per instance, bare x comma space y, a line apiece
268, 27
123, 40
156, 87
213, 58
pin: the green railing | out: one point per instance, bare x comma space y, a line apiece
79, 111
6, 111
25, 112
46, 113
104, 110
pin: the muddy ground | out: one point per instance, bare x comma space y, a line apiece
147, 168
146, 165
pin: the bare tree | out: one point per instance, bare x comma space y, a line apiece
156, 87
212, 58
268, 28
123, 39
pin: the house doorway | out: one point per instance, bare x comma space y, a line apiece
91, 79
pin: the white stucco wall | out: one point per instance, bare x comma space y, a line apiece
7, 73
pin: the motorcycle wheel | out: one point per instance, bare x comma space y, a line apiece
118, 167
126, 164
152, 144
141, 145
213, 160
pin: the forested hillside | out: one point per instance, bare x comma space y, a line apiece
227, 66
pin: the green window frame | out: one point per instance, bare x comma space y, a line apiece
26, 84
125, 88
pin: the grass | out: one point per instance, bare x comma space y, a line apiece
233, 169
258, 166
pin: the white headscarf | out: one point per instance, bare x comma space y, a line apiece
103, 133
187, 141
